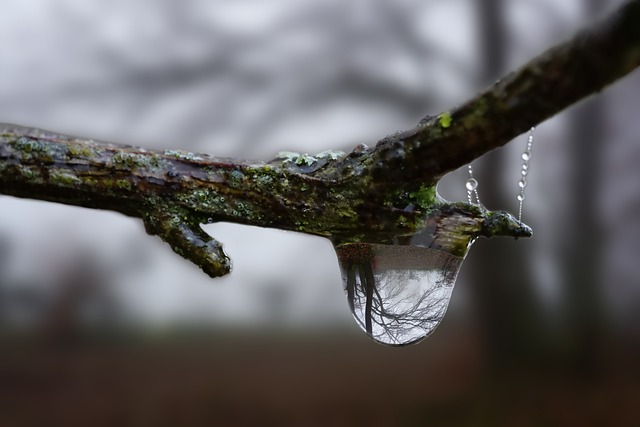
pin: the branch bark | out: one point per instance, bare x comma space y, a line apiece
382, 194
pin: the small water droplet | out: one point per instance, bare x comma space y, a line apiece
520, 197
471, 184
398, 294
524, 172
526, 156
522, 183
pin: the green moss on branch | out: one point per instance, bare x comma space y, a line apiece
380, 195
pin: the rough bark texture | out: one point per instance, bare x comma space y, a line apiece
381, 194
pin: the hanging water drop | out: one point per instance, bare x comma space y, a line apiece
471, 184
398, 294
526, 156
522, 183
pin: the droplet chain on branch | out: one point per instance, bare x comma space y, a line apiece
522, 184
472, 184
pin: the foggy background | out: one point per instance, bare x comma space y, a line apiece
95, 312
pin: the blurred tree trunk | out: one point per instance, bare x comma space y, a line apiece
503, 292
581, 255
511, 315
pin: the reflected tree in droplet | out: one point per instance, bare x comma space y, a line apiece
397, 293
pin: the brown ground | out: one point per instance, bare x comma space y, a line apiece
332, 380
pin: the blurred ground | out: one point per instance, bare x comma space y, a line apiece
103, 325
324, 379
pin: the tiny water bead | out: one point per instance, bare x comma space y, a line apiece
472, 187
398, 294
472, 184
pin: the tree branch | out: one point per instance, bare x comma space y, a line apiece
561, 76
383, 194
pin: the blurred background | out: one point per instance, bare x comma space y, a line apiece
101, 324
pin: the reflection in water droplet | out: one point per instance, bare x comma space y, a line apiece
398, 294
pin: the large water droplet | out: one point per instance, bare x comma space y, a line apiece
398, 294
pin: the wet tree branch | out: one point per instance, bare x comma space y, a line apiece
593, 59
381, 194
